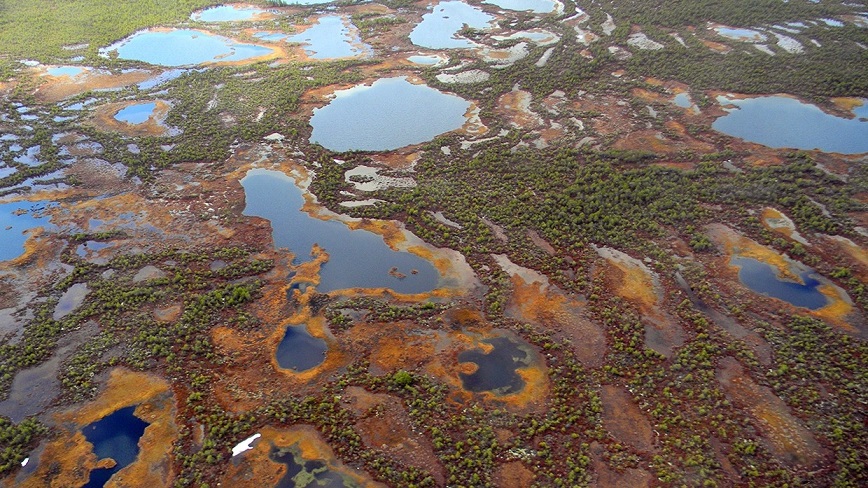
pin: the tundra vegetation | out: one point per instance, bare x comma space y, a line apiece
710, 373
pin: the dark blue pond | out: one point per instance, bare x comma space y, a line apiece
357, 258
115, 436
300, 351
783, 122
761, 278
496, 370
15, 220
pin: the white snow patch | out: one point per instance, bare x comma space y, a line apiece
789, 44
373, 181
245, 445
678, 39
360, 203
764, 48
585, 37
24, 463
608, 26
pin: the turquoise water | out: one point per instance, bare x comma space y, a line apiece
535, 6
227, 13
115, 436
15, 220
497, 369
183, 47
357, 258
439, 28
740, 34
762, 278
683, 100
330, 38
390, 113
70, 71
136, 114
783, 122
300, 351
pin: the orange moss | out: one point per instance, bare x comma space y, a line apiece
55, 89
716, 46
848, 104
104, 119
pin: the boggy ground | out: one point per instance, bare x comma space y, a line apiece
629, 382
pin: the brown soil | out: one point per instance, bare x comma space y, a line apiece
624, 420
513, 475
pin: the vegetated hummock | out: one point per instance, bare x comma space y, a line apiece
580, 276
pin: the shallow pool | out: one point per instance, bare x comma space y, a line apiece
497, 369
388, 114
357, 258
332, 36
783, 122
16, 219
183, 47
535, 6
137, 113
762, 278
228, 13
117, 437
300, 351
439, 29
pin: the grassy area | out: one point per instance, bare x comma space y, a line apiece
40, 28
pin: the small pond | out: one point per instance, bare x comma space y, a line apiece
71, 299
535, 6
783, 122
70, 71
331, 37
496, 370
137, 113
115, 436
300, 351
228, 13
357, 258
762, 278
303, 472
182, 47
682, 100
15, 220
428, 60
389, 114
738, 34
439, 29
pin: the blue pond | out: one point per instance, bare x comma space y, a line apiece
71, 71
496, 370
390, 113
227, 13
682, 100
183, 47
783, 122
330, 38
15, 220
762, 278
739, 34
136, 114
300, 351
439, 28
115, 436
357, 258
535, 6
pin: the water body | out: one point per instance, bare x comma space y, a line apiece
740, 34
389, 114
439, 28
227, 13
70, 71
357, 258
762, 278
535, 6
496, 370
682, 100
300, 351
783, 122
331, 38
115, 436
136, 114
304, 2
310, 472
183, 47
271, 36
71, 299
16, 219
428, 60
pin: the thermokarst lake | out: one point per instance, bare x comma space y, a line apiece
388, 114
183, 47
357, 258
